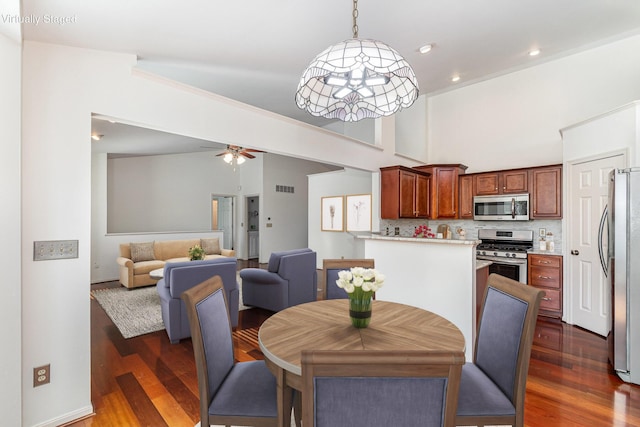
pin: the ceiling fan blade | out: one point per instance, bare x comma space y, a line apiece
251, 150
247, 155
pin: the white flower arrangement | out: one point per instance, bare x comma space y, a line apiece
359, 281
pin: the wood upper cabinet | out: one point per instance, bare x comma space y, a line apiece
515, 181
404, 193
502, 182
466, 192
546, 192
444, 189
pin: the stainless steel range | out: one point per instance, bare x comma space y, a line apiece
508, 251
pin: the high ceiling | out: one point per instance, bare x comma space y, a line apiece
255, 51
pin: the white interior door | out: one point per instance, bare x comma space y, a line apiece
590, 293
222, 218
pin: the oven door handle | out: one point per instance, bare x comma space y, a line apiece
496, 260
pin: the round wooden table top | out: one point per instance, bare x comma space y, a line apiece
325, 325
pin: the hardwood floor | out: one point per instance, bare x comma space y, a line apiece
146, 381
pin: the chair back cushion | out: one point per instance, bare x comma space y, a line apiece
499, 338
216, 338
333, 291
380, 402
348, 388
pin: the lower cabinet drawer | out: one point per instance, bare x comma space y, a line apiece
545, 276
551, 300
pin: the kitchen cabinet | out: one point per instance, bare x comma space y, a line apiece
466, 192
546, 192
404, 193
444, 189
501, 182
545, 273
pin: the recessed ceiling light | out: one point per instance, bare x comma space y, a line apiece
534, 52
96, 137
455, 78
426, 48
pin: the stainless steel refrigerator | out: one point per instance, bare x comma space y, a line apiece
624, 272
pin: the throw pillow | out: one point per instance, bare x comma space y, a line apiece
142, 252
211, 246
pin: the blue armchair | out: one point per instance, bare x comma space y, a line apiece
180, 276
290, 279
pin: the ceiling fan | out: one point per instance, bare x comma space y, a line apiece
237, 153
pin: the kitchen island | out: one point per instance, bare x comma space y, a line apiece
438, 275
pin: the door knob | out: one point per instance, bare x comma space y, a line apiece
575, 252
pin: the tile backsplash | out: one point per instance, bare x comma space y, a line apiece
407, 227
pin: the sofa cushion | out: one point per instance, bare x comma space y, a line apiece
211, 246
179, 259
145, 267
142, 252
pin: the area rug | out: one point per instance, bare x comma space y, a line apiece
136, 311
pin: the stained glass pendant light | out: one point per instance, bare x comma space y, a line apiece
357, 79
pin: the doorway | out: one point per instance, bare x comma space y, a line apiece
222, 218
253, 227
589, 291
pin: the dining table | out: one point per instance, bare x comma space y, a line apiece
326, 325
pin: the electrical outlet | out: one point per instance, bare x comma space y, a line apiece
41, 375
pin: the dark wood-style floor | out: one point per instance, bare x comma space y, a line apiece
146, 381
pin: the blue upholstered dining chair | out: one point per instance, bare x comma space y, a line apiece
290, 279
330, 269
492, 388
242, 393
380, 388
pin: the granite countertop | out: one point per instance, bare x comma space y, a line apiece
482, 263
539, 252
419, 239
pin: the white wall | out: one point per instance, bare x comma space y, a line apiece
514, 120
412, 130
166, 193
615, 130
62, 86
286, 212
11, 370
333, 244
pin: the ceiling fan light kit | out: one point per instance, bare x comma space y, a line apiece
238, 155
357, 79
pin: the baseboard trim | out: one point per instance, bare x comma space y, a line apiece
70, 417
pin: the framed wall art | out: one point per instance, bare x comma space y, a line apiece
332, 213
359, 212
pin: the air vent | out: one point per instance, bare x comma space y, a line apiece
284, 189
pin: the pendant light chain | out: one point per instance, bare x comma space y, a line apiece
355, 17
357, 79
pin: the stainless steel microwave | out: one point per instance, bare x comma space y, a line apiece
505, 207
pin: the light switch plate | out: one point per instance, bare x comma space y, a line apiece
55, 249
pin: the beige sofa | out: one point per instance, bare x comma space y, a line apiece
136, 260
